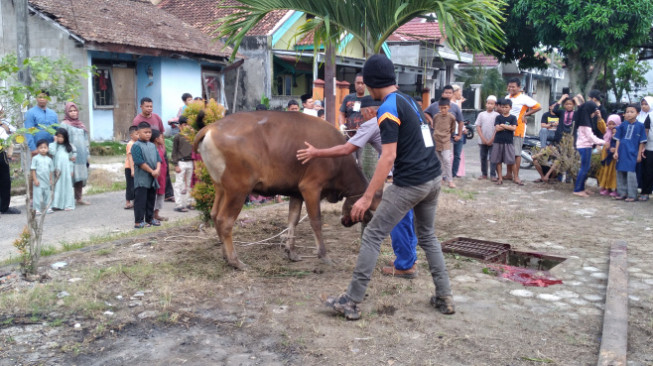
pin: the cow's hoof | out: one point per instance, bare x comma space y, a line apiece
293, 256
237, 264
326, 260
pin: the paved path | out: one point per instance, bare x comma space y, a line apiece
106, 216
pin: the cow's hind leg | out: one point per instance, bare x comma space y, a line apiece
230, 206
294, 211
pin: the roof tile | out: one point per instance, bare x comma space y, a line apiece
202, 14
135, 23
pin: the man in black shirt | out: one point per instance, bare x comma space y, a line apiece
407, 144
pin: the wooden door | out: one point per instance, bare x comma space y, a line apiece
124, 111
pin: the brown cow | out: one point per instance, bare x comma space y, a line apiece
256, 152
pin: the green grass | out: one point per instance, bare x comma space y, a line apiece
115, 186
107, 148
462, 194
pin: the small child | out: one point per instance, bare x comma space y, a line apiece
486, 131
444, 125
64, 158
503, 150
182, 159
631, 139
158, 140
147, 168
607, 176
129, 168
42, 169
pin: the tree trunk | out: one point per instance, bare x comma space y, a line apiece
330, 84
582, 73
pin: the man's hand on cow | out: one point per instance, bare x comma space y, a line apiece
177, 169
359, 208
305, 155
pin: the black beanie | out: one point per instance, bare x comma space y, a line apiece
378, 72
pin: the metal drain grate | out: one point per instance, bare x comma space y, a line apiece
488, 251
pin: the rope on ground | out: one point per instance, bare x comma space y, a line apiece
265, 241
169, 238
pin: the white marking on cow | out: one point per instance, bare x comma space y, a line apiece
263, 121
212, 157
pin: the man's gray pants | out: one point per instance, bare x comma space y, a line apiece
397, 201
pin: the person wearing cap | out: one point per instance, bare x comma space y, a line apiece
308, 105
404, 241
486, 130
37, 116
407, 144
318, 105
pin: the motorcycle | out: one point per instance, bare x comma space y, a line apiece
529, 143
469, 129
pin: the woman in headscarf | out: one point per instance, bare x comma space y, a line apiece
78, 134
646, 166
585, 140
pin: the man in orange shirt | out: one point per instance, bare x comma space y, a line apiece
522, 107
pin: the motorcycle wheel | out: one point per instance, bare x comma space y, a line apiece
470, 134
526, 159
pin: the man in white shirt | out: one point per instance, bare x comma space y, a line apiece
522, 107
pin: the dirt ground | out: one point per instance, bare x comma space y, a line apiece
167, 297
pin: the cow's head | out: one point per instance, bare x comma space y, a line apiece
346, 219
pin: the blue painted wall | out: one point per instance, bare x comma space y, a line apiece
102, 124
179, 77
170, 79
146, 86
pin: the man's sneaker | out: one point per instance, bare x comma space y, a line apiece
343, 305
403, 273
155, 222
444, 304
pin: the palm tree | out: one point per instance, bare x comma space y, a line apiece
468, 25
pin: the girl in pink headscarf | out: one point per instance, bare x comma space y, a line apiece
607, 176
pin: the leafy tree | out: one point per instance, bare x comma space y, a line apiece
491, 81
589, 34
63, 82
625, 74
468, 24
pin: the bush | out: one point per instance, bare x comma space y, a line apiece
203, 191
107, 148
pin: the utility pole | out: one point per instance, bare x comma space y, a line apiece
22, 39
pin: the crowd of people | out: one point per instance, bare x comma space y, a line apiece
59, 167
626, 167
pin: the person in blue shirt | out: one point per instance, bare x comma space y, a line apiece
631, 140
40, 115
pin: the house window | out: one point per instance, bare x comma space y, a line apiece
103, 94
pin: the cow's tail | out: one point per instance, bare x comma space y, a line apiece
199, 122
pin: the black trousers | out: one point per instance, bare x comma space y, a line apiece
129, 191
5, 183
144, 199
647, 172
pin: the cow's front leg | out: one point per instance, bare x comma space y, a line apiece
312, 199
294, 211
